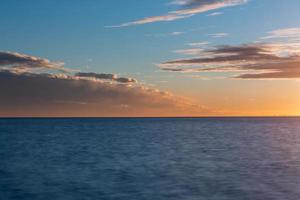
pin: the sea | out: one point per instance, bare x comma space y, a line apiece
150, 159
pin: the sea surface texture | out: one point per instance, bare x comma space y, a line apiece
150, 159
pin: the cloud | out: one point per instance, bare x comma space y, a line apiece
215, 14
195, 51
290, 33
198, 44
60, 95
17, 61
175, 33
35, 93
219, 35
170, 17
189, 8
261, 61
288, 70
275, 56
111, 77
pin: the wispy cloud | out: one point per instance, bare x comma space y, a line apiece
289, 33
170, 17
175, 33
215, 14
275, 56
195, 44
219, 35
188, 8
265, 60
193, 52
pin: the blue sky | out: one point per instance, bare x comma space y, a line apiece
77, 33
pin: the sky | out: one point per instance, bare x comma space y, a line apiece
113, 58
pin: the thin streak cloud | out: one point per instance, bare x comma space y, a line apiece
188, 9
219, 35
283, 33
215, 14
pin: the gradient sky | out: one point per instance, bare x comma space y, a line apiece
189, 57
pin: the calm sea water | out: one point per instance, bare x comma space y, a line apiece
150, 159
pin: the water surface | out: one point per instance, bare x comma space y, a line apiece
150, 159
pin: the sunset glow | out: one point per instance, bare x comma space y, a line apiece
149, 99
168, 58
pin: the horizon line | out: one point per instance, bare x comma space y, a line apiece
145, 117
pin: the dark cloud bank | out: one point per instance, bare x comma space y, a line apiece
31, 93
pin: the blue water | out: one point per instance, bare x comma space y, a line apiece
150, 159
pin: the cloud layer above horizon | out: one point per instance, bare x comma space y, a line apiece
188, 8
27, 92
